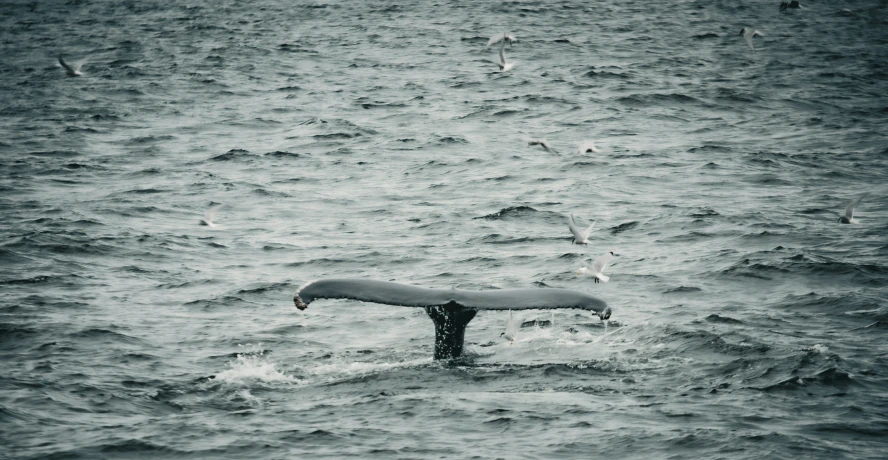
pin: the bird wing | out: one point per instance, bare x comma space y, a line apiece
65, 65
849, 211
748, 38
757, 34
503, 56
81, 63
588, 231
546, 145
211, 213
601, 262
496, 38
578, 235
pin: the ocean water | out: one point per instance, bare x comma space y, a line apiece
379, 140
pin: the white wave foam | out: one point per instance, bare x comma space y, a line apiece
819, 349
343, 369
253, 366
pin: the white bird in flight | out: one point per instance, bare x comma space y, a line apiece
580, 236
512, 326
597, 269
209, 216
848, 218
543, 143
586, 146
72, 71
503, 37
749, 34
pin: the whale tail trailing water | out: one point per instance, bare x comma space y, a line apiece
451, 310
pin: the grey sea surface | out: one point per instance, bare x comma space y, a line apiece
379, 140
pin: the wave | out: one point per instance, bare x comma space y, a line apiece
496, 238
105, 336
142, 140
624, 227
512, 212
659, 99
682, 290
55, 153
282, 154
228, 301
235, 155
607, 75
830, 377
335, 136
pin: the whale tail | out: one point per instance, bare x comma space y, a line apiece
604, 278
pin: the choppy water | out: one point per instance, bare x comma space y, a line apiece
377, 139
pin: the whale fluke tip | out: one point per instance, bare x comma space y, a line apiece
605, 314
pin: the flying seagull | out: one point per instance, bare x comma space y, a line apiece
848, 218
749, 34
72, 71
597, 269
580, 236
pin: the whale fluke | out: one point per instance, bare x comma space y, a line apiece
450, 309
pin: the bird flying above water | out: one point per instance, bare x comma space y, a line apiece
597, 269
848, 218
72, 71
580, 236
748, 34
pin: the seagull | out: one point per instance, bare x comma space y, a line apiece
72, 71
542, 142
790, 4
512, 326
503, 65
209, 216
848, 218
749, 34
580, 236
597, 269
503, 37
586, 146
